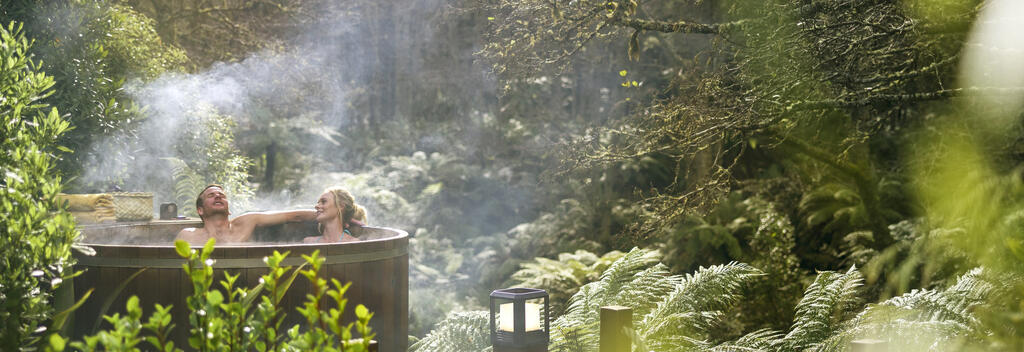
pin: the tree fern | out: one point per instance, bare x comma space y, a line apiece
205, 155
671, 312
581, 316
647, 287
826, 302
934, 320
187, 182
833, 207
921, 257
563, 277
459, 332
953, 303
925, 319
825, 305
760, 340
693, 306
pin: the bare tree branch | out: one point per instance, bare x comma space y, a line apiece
899, 98
677, 27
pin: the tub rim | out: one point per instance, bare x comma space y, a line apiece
247, 256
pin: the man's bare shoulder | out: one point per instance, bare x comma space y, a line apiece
193, 235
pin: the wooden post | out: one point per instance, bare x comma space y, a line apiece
614, 322
868, 345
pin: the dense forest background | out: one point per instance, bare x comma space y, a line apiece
862, 158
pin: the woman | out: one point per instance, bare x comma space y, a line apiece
337, 213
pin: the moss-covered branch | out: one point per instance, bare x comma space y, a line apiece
899, 98
675, 27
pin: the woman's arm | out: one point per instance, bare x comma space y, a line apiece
269, 218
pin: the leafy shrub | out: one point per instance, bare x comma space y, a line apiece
36, 234
242, 319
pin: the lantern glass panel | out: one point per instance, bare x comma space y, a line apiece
534, 316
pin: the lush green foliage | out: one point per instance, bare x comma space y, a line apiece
459, 331
206, 154
36, 235
796, 136
814, 107
676, 314
93, 48
241, 319
946, 319
670, 312
562, 278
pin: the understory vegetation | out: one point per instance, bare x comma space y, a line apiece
783, 175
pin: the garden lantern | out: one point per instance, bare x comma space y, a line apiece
519, 320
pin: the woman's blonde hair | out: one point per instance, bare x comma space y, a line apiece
351, 210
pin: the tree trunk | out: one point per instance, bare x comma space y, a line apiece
268, 175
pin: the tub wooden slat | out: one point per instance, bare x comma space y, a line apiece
83, 283
386, 309
402, 299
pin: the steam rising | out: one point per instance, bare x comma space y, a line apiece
257, 93
313, 91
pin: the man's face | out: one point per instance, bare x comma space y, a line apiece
214, 202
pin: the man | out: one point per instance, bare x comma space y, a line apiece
212, 206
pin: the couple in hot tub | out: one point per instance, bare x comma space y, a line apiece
335, 211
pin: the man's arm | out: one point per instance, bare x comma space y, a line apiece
269, 218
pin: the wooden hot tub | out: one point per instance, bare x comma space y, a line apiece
377, 266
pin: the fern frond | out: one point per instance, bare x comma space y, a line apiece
545, 273
618, 275
186, 183
577, 329
695, 304
676, 311
622, 270
922, 319
903, 335
458, 332
646, 289
760, 340
952, 304
623, 283
825, 304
